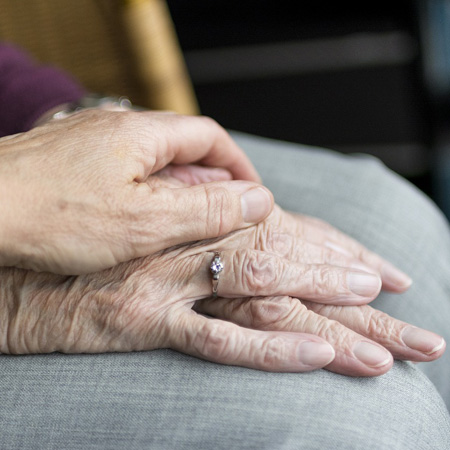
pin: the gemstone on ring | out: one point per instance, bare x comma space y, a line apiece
216, 266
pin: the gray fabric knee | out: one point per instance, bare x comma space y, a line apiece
361, 197
165, 400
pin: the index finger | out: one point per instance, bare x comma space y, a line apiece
319, 232
201, 140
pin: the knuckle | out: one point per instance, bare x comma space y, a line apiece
325, 281
260, 272
270, 313
330, 330
136, 130
271, 240
218, 206
213, 342
273, 350
377, 323
128, 136
316, 317
328, 256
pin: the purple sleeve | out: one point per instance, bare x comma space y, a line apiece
28, 90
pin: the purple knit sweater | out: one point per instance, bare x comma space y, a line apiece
28, 90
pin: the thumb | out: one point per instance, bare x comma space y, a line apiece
208, 210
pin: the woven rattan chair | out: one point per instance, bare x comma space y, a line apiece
114, 47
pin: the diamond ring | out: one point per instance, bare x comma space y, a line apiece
216, 267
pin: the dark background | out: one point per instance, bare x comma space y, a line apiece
350, 77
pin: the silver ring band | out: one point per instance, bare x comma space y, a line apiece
215, 268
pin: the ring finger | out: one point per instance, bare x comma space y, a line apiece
255, 273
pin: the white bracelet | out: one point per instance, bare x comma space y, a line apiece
93, 101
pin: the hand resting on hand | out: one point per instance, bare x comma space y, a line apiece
288, 301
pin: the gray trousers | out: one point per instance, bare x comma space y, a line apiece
166, 400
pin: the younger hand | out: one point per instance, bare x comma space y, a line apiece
75, 197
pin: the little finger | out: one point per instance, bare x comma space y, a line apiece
319, 232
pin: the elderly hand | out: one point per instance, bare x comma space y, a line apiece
326, 278
298, 237
364, 339
75, 198
148, 303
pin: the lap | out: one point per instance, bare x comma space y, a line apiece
361, 197
164, 400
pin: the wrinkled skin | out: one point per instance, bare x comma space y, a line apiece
258, 321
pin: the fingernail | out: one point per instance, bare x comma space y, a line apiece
422, 340
362, 283
392, 275
371, 355
256, 205
316, 353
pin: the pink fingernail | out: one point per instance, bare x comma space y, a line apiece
316, 353
363, 283
422, 340
256, 205
371, 355
256, 201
